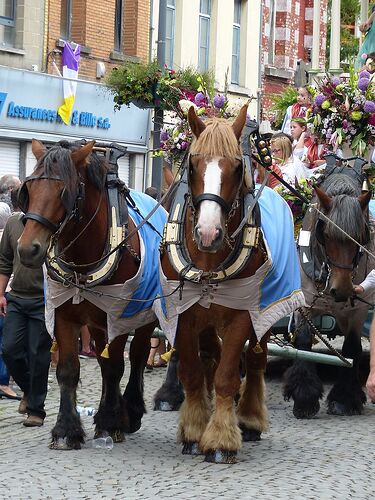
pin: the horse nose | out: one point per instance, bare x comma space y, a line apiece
208, 238
339, 297
219, 234
31, 255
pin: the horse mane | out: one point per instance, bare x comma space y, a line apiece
57, 161
217, 139
346, 211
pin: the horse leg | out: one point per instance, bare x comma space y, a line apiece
346, 396
196, 409
133, 395
170, 395
301, 381
109, 419
68, 424
210, 354
222, 437
251, 408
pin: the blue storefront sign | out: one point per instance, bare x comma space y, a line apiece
29, 102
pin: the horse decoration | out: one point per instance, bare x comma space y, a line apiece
228, 288
331, 260
102, 271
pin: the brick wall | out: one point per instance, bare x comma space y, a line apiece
93, 26
292, 42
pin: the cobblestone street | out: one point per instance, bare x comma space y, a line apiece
323, 458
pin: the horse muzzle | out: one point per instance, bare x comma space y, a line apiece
209, 240
32, 255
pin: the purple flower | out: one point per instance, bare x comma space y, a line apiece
345, 124
163, 135
184, 145
219, 101
335, 81
369, 107
200, 99
363, 83
319, 99
364, 74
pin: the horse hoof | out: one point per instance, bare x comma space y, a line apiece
336, 408
164, 406
117, 436
250, 434
191, 448
64, 445
221, 456
301, 412
133, 426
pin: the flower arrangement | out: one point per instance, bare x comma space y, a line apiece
175, 138
146, 85
344, 112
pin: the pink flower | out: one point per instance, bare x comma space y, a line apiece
371, 120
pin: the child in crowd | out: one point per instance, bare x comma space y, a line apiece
298, 109
306, 147
282, 154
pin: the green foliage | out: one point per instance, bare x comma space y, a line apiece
148, 86
281, 102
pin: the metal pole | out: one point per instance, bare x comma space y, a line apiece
315, 64
158, 113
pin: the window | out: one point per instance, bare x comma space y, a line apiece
236, 42
118, 25
169, 33
271, 35
7, 22
204, 34
66, 19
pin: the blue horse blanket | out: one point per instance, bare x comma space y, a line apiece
273, 292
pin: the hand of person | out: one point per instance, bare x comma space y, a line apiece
3, 305
358, 289
370, 385
318, 163
364, 27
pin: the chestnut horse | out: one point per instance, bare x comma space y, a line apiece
200, 254
330, 264
66, 204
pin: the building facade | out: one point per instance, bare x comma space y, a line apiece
32, 37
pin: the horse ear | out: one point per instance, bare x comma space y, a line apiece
325, 200
168, 176
240, 121
196, 124
364, 199
82, 153
38, 148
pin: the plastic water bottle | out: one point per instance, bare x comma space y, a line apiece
85, 411
104, 443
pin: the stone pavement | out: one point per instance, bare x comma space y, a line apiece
323, 458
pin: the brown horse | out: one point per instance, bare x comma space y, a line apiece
67, 208
210, 340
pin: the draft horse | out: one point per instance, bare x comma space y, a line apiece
210, 340
330, 264
67, 208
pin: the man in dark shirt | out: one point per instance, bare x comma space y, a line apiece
26, 343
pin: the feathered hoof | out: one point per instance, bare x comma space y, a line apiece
191, 448
64, 444
250, 434
306, 411
340, 409
221, 456
165, 406
117, 435
133, 426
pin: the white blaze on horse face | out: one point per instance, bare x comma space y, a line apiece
210, 217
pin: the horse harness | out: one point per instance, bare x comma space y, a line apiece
118, 197
174, 232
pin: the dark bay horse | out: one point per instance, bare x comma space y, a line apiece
200, 255
330, 264
68, 209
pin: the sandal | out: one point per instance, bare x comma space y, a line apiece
160, 364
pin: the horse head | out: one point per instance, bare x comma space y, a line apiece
215, 177
48, 196
349, 213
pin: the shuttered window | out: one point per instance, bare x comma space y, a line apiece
123, 168
9, 158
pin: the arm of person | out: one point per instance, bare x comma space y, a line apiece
367, 24
4, 280
370, 384
367, 284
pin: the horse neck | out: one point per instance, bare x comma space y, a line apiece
89, 234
